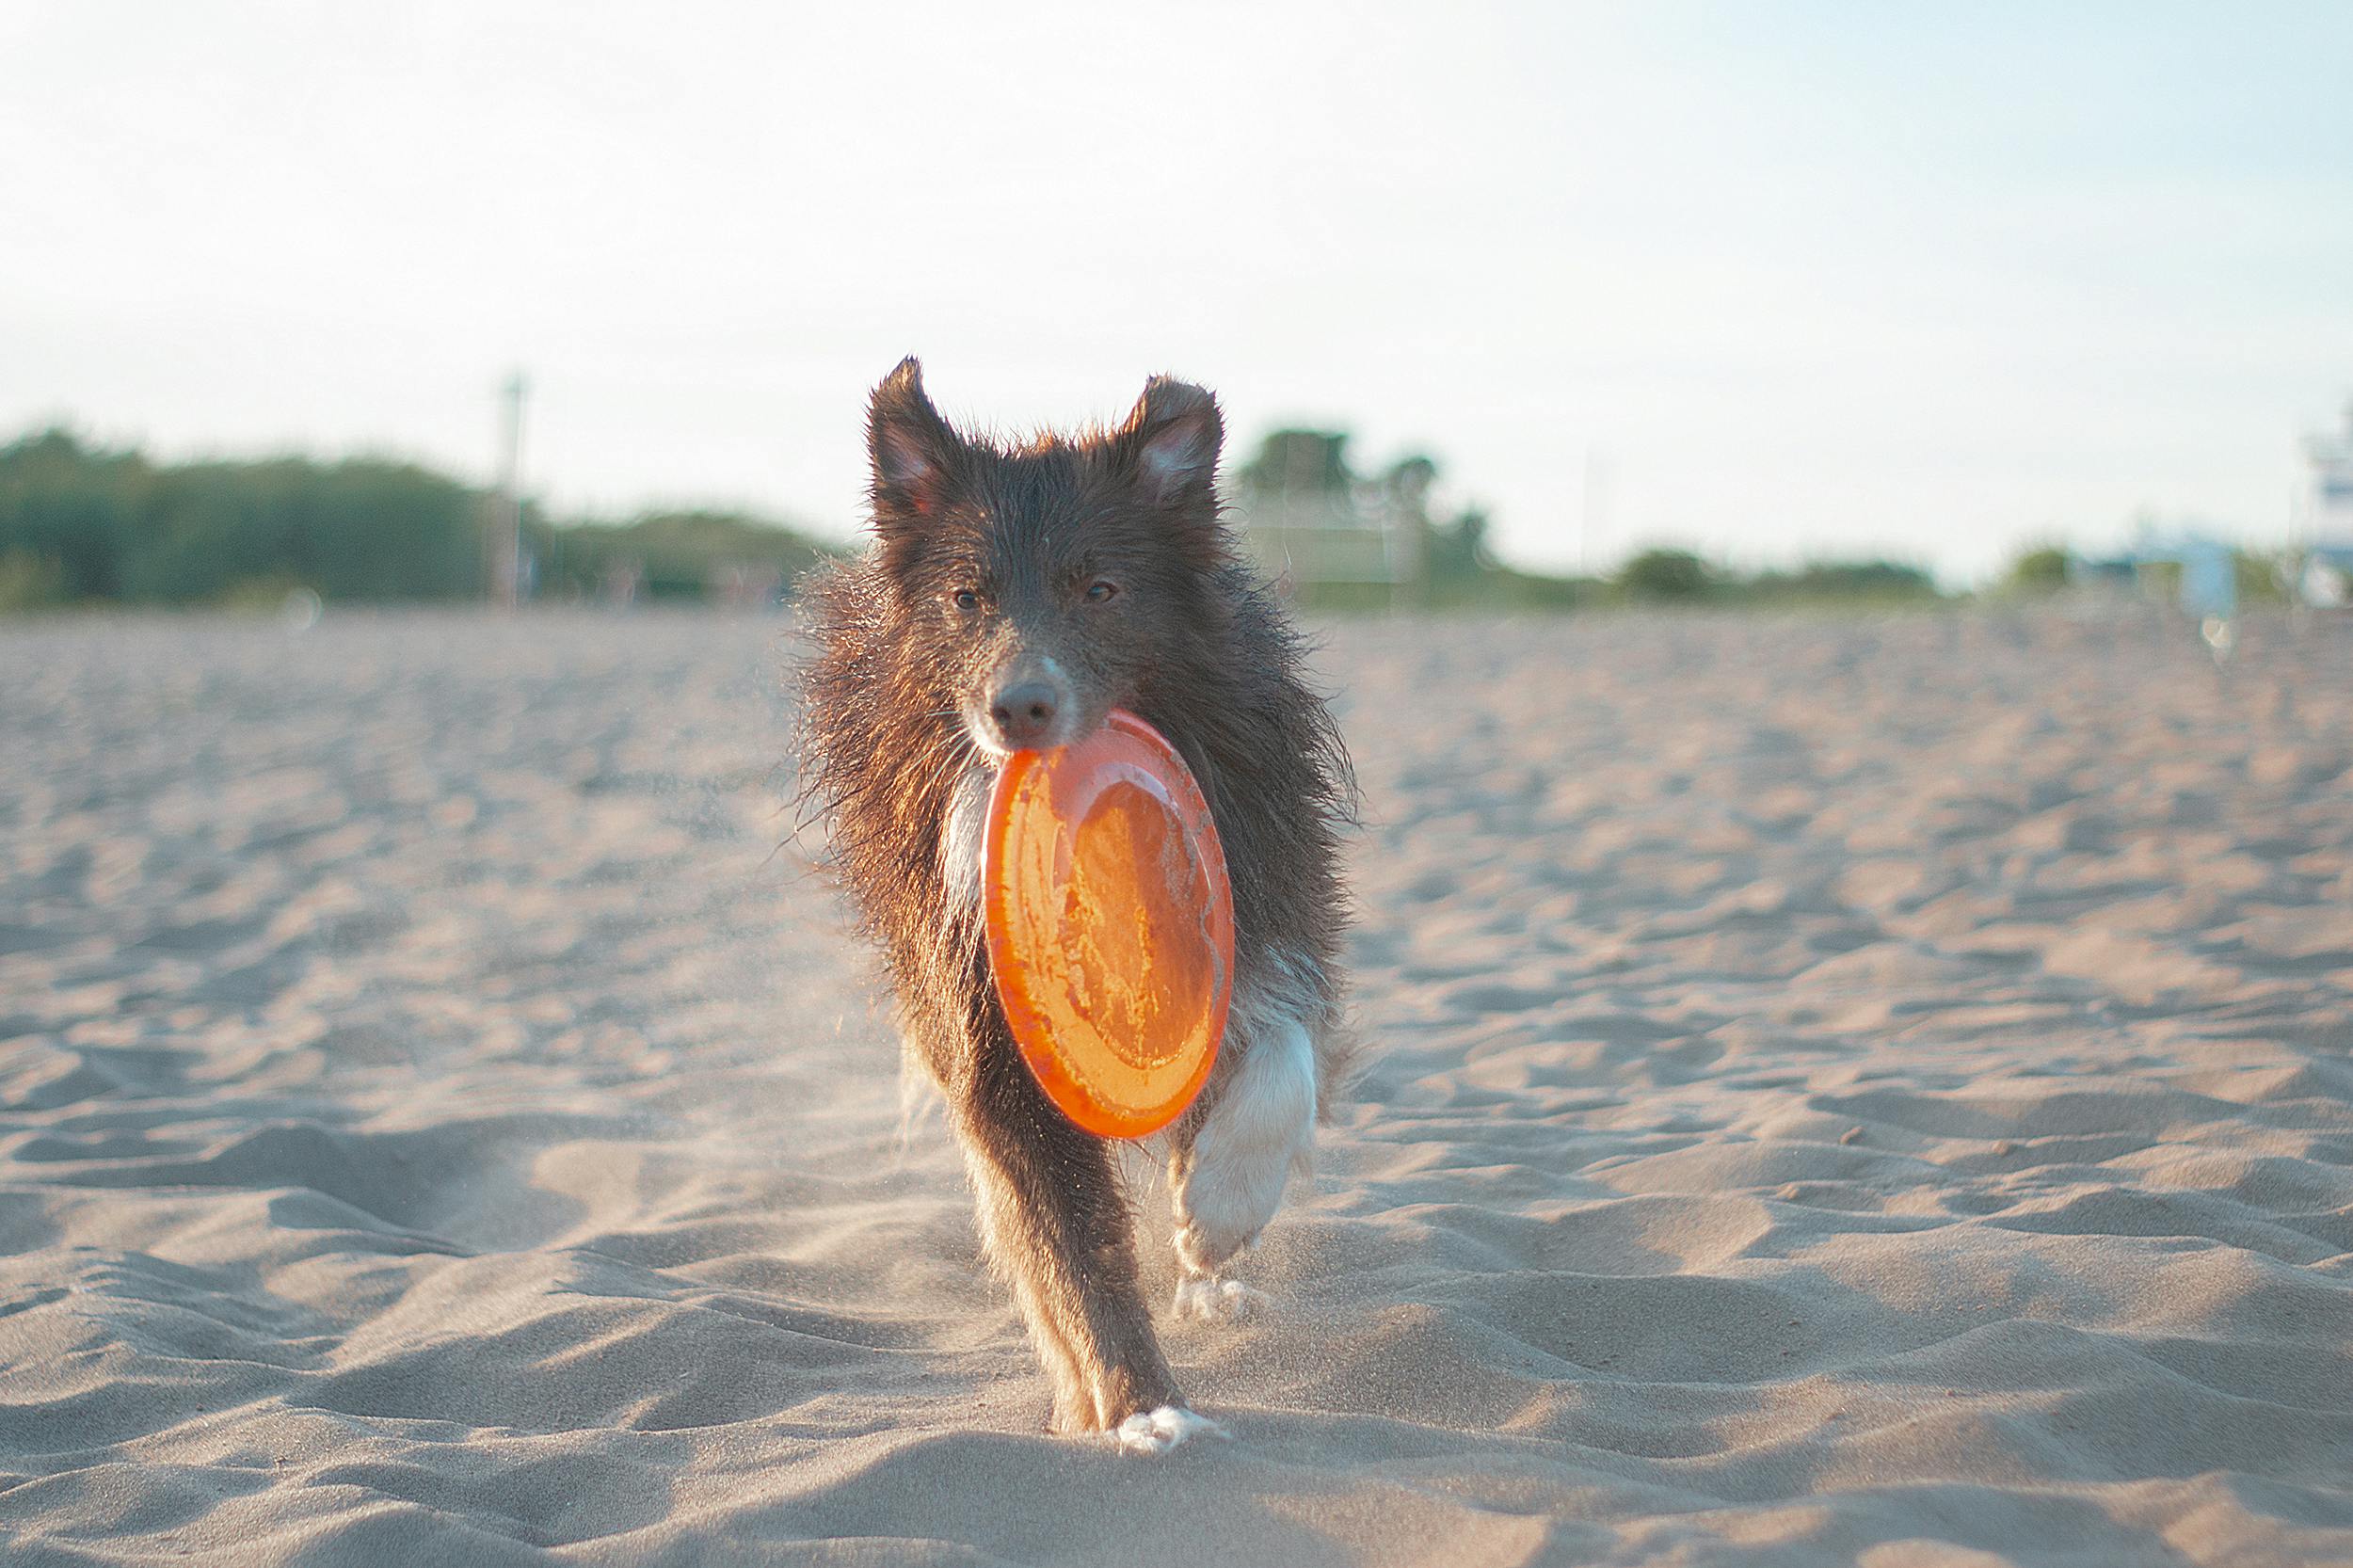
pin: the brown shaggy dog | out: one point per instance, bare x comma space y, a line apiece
1014, 594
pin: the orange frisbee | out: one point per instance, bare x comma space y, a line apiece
1110, 924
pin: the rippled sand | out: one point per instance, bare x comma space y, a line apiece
1840, 1091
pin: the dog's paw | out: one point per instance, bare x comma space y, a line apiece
1218, 1300
1155, 1431
1203, 1247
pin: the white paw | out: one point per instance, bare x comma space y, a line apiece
1205, 1248
1218, 1300
1157, 1431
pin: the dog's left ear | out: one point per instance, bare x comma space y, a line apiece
1172, 439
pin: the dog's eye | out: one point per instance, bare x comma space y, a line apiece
965, 598
1101, 591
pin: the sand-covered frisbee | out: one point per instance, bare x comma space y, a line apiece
1110, 926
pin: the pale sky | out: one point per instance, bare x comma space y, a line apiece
1806, 278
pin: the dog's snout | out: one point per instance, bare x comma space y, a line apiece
1024, 713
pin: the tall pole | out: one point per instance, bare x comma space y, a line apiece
1589, 514
510, 566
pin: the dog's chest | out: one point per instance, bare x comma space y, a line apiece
962, 837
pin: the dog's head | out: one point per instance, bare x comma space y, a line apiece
1047, 583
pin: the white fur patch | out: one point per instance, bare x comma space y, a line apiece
1159, 1431
963, 836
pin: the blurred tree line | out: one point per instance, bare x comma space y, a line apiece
81, 523
1656, 575
730, 556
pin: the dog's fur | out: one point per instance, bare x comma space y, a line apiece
1085, 572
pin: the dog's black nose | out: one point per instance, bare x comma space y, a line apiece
1024, 714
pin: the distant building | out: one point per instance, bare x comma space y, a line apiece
2327, 578
2330, 505
1307, 517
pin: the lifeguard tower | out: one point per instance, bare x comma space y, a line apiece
2327, 578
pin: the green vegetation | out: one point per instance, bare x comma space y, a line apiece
1299, 464
29, 582
674, 555
1867, 582
2039, 570
2267, 576
1665, 574
1677, 576
84, 524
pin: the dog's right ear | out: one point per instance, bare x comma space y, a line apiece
913, 449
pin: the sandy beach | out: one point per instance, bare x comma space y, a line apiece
1840, 1091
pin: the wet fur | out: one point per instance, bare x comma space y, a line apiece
896, 745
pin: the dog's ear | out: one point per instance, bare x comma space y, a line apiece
913, 449
1172, 440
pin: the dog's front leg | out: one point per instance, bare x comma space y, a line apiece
1227, 1171
1057, 1226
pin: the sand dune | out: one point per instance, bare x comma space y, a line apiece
1842, 1091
